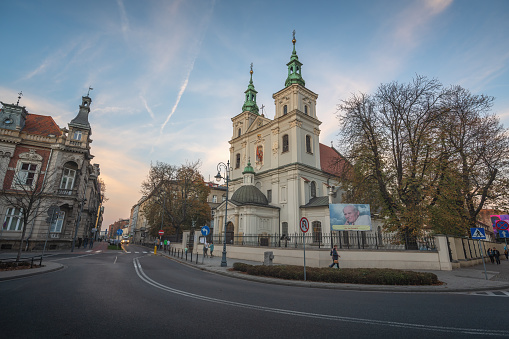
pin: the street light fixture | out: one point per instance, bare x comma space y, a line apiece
218, 177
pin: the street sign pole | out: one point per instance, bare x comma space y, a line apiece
304, 227
482, 256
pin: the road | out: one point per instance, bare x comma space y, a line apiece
138, 295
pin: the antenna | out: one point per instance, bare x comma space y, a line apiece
89, 89
20, 94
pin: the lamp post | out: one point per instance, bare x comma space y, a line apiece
227, 179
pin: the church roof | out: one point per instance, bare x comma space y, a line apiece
331, 161
41, 125
249, 195
317, 202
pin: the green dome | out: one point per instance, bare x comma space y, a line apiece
249, 195
248, 168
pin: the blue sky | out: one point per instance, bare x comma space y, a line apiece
169, 75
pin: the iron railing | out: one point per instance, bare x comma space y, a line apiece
344, 240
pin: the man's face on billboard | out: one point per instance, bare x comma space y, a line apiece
350, 214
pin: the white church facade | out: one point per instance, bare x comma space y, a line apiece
280, 172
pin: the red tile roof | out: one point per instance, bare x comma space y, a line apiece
41, 125
331, 161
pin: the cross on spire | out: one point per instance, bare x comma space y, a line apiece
20, 94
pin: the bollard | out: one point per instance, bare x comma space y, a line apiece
155, 249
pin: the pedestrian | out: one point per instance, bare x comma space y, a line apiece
211, 248
205, 249
79, 242
335, 257
506, 253
91, 243
490, 254
85, 242
496, 254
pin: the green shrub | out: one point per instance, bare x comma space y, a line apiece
369, 276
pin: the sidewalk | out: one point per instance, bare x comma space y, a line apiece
460, 280
469, 279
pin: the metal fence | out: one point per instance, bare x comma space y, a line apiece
344, 240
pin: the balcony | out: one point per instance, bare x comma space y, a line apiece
64, 192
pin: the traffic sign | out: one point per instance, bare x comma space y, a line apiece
205, 230
119, 232
503, 234
501, 225
478, 233
161, 232
304, 224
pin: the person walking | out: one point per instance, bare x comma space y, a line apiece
205, 249
506, 253
85, 242
335, 257
490, 254
91, 241
496, 254
211, 248
79, 242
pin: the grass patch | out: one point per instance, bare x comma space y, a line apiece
368, 276
114, 247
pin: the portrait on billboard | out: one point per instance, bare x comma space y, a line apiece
350, 217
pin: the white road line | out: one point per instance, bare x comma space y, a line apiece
127, 252
136, 252
145, 278
115, 260
145, 252
99, 251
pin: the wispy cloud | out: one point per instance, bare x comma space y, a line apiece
124, 21
147, 108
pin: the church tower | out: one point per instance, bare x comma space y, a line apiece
298, 127
79, 127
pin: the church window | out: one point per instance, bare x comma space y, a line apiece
239, 132
306, 109
313, 189
237, 160
269, 196
285, 143
308, 144
284, 228
56, 225
13, 219
77, 135
283, 194
285, 109
317, 231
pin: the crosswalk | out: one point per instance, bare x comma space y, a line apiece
99, 251
144, 252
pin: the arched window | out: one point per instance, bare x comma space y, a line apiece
306, 109
285, 109
317, 231
308, 144
68, 175
239, 132
285, 143
56, 225
237, 160
313, 189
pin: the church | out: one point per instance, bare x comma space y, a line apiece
280, 172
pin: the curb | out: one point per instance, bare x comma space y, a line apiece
49, 267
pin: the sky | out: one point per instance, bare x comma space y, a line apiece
168, 76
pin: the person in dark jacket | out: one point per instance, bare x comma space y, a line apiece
496, 254
490, 254
335, 257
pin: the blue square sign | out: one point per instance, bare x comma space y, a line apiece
478, 233
503, 234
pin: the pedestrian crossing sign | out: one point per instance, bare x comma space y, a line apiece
478, 233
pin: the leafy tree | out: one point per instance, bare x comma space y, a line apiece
177, 197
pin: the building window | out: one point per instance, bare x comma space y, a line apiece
77, 135
284, 228
313, 189
214, 198
56, 225
317, 231
68, 176
306, 109
269, 195
26, 174
285, 109
237, 160
224, 197
308, 144
239, 132
13, 219
285, 143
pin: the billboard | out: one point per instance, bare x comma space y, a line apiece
350, 217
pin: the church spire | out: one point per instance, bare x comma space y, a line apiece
294, 68
250, 102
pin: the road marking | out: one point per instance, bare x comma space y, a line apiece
136, 252
145, 252
115, 260
503, 294
145, 278
99, 251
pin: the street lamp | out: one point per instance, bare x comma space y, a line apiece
227, 179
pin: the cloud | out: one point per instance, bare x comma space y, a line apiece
124, 22
147, 108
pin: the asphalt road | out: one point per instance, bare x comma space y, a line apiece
137, 295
